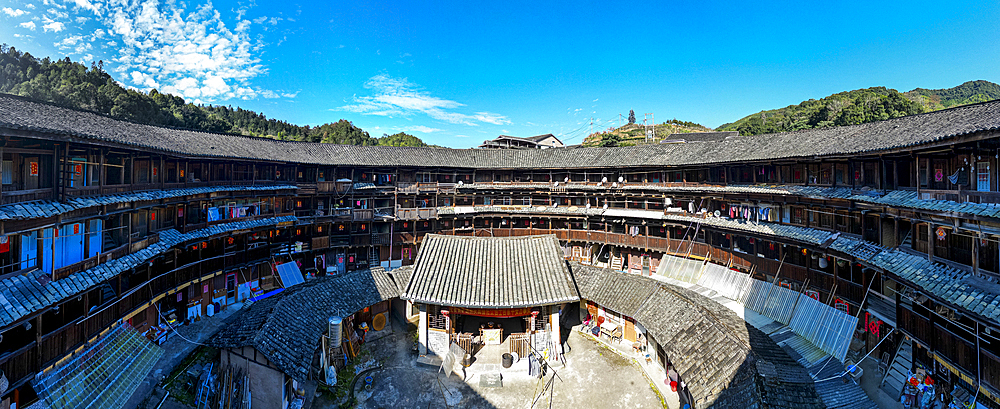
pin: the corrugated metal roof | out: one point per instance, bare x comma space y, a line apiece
716, 353
490, 272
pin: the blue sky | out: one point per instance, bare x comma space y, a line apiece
458, 73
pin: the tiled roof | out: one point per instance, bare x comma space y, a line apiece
49, 208
725, 362
490, 272
401, 276
974, 294
896, 198
23, 295
623, 293
960, 288
287, 327
699, 136
24, 115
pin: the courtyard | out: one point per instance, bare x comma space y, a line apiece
592, 377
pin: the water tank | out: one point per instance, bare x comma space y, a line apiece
335, 332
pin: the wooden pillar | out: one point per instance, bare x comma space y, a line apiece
930, 241
881, 238
102, 164
1, 172
975, 255
55, 172
422, 331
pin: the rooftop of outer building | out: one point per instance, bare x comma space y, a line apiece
19, 116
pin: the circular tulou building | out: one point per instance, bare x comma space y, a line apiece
809, 269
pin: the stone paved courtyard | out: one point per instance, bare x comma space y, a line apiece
593, 377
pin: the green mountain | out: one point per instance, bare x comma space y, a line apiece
968, 93
861, 106
635, 134
74, 85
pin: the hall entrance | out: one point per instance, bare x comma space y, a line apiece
487, 334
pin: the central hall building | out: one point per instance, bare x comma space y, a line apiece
754, 267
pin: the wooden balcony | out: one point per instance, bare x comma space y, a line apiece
320, 243
416, 213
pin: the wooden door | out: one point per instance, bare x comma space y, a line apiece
629, 332
230, 288
983, 176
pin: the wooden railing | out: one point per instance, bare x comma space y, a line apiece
362, 214
27, 195
423, 213
320, 242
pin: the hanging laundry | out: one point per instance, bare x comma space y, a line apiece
954, 178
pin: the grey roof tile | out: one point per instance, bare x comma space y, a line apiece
287, 327
26, 295
21, 114
484, 272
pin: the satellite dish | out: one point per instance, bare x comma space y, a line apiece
823, 263
621, 179
605, 206
588, 204
557, 183
614, 184
460, 183
718, 213
566, 180
604, 180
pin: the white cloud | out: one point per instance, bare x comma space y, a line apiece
86, 5
58, 14
143, 79
290, 94
595, 100
399, 97
55, 26
53, 3
29, 6
495, 119
191, 53
461, 136
269, 94
69, 41
30, 25
13, 12
420, 128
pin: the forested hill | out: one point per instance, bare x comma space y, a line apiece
862, 106
74, 85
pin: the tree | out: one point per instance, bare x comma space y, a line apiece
345, 133
631, 117
400, 139
610, 140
